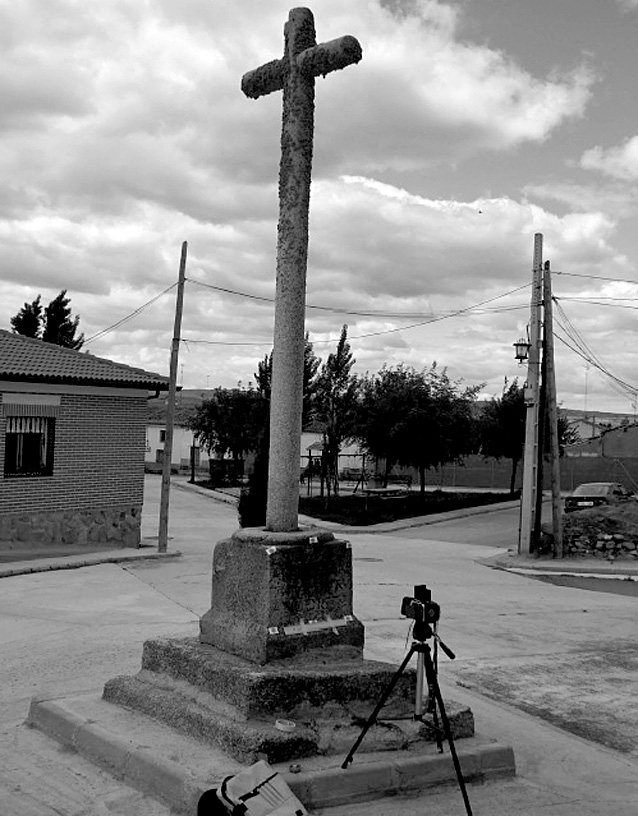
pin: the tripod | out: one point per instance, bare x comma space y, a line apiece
425, 668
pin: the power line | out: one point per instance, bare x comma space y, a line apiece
595, 277
619, 386
580, 347
602, 302
357, 313
456, 313
130, 316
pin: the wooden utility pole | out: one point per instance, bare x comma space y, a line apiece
552, 414
530, 457
170, 407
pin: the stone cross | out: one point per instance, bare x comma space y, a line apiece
295, 74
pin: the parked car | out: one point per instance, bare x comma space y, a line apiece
594, 494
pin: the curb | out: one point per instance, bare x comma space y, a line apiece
181, 789
60, 562
415, 521
583, 568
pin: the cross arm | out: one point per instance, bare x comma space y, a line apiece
330, 56
264, 80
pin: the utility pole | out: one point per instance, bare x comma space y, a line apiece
552, 414
170, 407
530, 457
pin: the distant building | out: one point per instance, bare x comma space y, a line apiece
72, 438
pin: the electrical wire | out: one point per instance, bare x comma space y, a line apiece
354, 312
581, 348
129, 316
595, 277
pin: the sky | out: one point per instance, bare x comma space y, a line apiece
466, 128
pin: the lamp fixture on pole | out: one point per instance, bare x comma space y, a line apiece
521, 350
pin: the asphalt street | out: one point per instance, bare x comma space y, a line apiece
66, 631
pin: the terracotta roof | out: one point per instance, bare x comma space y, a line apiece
29, 360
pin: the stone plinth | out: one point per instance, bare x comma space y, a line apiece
228, 701
278, 671
276, 595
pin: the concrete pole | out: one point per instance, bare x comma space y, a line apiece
530, 456
162, 541
552, 413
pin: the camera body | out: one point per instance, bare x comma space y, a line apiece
421, 607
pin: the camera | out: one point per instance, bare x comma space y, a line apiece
421, 607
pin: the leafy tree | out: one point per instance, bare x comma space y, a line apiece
502, 427
417, 418
28, 320
383, 400
230, 422
336, 408
55, 325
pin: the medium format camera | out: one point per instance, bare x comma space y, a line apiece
421, 607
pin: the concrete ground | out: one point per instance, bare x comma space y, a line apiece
66, 631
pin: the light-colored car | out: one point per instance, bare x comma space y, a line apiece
593, 494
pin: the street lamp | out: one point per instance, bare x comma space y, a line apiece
521, 350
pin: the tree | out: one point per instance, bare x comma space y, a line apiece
502, 427
567, 431
59, 326
28, 320
336, 398
382, 404
230, 422
417, 418
311, 363
55, 325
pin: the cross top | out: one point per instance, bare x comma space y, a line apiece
302, 54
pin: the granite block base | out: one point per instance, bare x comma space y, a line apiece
249, 710
276, 595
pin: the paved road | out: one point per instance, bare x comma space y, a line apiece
498, 528
67, 631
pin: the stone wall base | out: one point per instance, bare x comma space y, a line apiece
113, 527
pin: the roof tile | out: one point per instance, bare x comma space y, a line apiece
29, 360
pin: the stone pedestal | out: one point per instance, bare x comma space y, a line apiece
278, 671
277, 595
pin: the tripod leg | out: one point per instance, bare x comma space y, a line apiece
434, 685
382, 700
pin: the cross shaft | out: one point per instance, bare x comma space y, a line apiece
294, 74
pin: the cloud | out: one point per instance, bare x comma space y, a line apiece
620, 162
124, 132
616, 200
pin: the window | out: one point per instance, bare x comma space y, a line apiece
162, 436
28, 449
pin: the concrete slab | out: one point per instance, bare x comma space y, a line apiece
177, 769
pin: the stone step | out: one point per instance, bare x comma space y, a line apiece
177, 769
241, 707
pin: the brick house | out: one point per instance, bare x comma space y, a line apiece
72, 441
